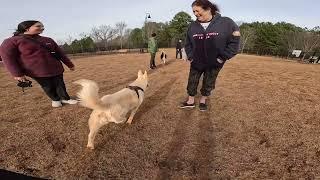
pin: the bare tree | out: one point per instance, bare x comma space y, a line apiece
120, 27
60, 42
126, 36
95, 34
83, 35
69, 42
113, 32
310, 41
292, 40
150, 27
247, 35
103, 33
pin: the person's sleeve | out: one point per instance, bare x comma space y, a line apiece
62, 55
233, 44
10, 55
188, 46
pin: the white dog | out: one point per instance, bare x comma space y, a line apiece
113, 107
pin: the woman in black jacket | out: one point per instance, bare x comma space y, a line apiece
211, 41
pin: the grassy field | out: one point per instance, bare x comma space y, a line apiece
263, 122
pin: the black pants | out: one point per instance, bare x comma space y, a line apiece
208, 82
54, 87
152, 60
178, 51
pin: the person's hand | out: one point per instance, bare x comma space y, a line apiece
220, 61
72, 68
187, 60
22, 78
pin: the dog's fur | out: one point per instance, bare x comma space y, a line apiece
163, 57
110, 108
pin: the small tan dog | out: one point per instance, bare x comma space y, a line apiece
111, 108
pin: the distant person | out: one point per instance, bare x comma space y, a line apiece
211, 41
179, 49
29, 54
152, 48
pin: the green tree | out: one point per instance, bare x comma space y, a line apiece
179, 25
88, 44
136, 39
164, 36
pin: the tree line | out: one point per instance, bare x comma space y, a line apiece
261, 38
107, 37
279, 39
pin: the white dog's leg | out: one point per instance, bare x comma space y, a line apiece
132, 115
119, 120
94, 126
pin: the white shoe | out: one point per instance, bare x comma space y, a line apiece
70, 101
56, 104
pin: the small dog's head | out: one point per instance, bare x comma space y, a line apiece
142, 79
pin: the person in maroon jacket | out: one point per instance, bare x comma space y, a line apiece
29, 54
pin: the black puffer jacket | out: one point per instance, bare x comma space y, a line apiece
220, 40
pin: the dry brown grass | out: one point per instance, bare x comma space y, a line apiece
263, 122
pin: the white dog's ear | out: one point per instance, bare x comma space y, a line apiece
145, 74
140, 74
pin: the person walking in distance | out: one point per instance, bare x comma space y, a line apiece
153, 48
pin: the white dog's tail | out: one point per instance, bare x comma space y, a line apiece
88, 95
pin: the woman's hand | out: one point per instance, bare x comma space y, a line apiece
72, 68
22, 78
188, 60
220, 61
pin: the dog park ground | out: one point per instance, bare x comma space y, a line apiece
263, 123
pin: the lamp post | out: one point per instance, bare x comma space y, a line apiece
144, 34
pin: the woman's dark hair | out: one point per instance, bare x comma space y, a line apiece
153, 34
23, 26
205, 4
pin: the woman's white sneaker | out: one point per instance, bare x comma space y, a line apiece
56, 104
70, 101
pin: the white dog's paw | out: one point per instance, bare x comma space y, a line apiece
90, 146
129, 121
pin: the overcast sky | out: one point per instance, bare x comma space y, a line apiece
72, 17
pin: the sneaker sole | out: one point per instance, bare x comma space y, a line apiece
70, 103
185, 107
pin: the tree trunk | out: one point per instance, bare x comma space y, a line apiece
105, 45
121, 42
244, 44
288, 55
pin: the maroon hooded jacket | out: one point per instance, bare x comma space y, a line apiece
21, 56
